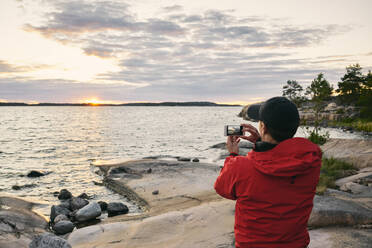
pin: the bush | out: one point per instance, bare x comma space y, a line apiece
316, 137
333, 169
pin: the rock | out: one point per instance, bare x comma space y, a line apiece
34, 173
103, 205
184, 159
97, 183
19, 187
195, 160
77, 203
331, 211
84, 196
355, 188
364, 175
48, 240
149, 171
155, 192
60, 217
55, 193
63, 227
356, 152
89, 212
64, 194
331, 107
219, 146
116, 208
57, 210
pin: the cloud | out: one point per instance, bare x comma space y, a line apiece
173, 8
181, 56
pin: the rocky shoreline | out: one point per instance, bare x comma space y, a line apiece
181, 208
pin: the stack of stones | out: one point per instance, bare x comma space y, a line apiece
75, 210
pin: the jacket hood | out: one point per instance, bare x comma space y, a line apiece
291, 157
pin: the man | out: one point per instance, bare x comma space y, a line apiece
274, 185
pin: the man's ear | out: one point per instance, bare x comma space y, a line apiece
262, 128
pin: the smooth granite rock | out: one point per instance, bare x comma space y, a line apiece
77, 203
57, 210
63, 227
60, 218
89, 212
49, 240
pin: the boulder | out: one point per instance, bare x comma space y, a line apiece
89, 212
184, 159
331, 211
34, 173
355, 188
77, 203
116, 208
48, 240
63, 227
354, 151
19, 187
60, 218
57, 210
84, 196
195, 160
103, 205
64, 194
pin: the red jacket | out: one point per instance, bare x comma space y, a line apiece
274, 192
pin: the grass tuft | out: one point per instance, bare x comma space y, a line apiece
333, 169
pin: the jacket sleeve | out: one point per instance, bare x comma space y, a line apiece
226, 181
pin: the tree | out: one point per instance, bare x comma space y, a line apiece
365, 99
319, 91
293, 90
350, 87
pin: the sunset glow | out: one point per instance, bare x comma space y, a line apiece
96, 101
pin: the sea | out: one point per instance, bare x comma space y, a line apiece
64, 141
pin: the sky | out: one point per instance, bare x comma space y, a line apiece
225, 51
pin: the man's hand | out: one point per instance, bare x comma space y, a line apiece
232, 144
255, 135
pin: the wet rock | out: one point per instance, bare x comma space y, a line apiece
195, 160
64, 194
35, 173
103, 205
55, 193
60, 217
97, 183
57, 210
155, 192
19, 187
48, 240
77, 203
355, 188
149, 171
84, 196
63, 227
116, 208
89, 212
184, 159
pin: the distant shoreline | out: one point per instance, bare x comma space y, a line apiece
147, 104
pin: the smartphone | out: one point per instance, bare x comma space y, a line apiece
233, 130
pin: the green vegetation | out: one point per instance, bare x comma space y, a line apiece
358, 124
333, 169
354, 89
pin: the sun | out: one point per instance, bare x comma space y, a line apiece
94, 101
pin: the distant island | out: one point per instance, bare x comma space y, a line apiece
149, 104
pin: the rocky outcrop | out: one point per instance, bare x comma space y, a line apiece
18, 224
356, 152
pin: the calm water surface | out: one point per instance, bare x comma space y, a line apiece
64, 141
